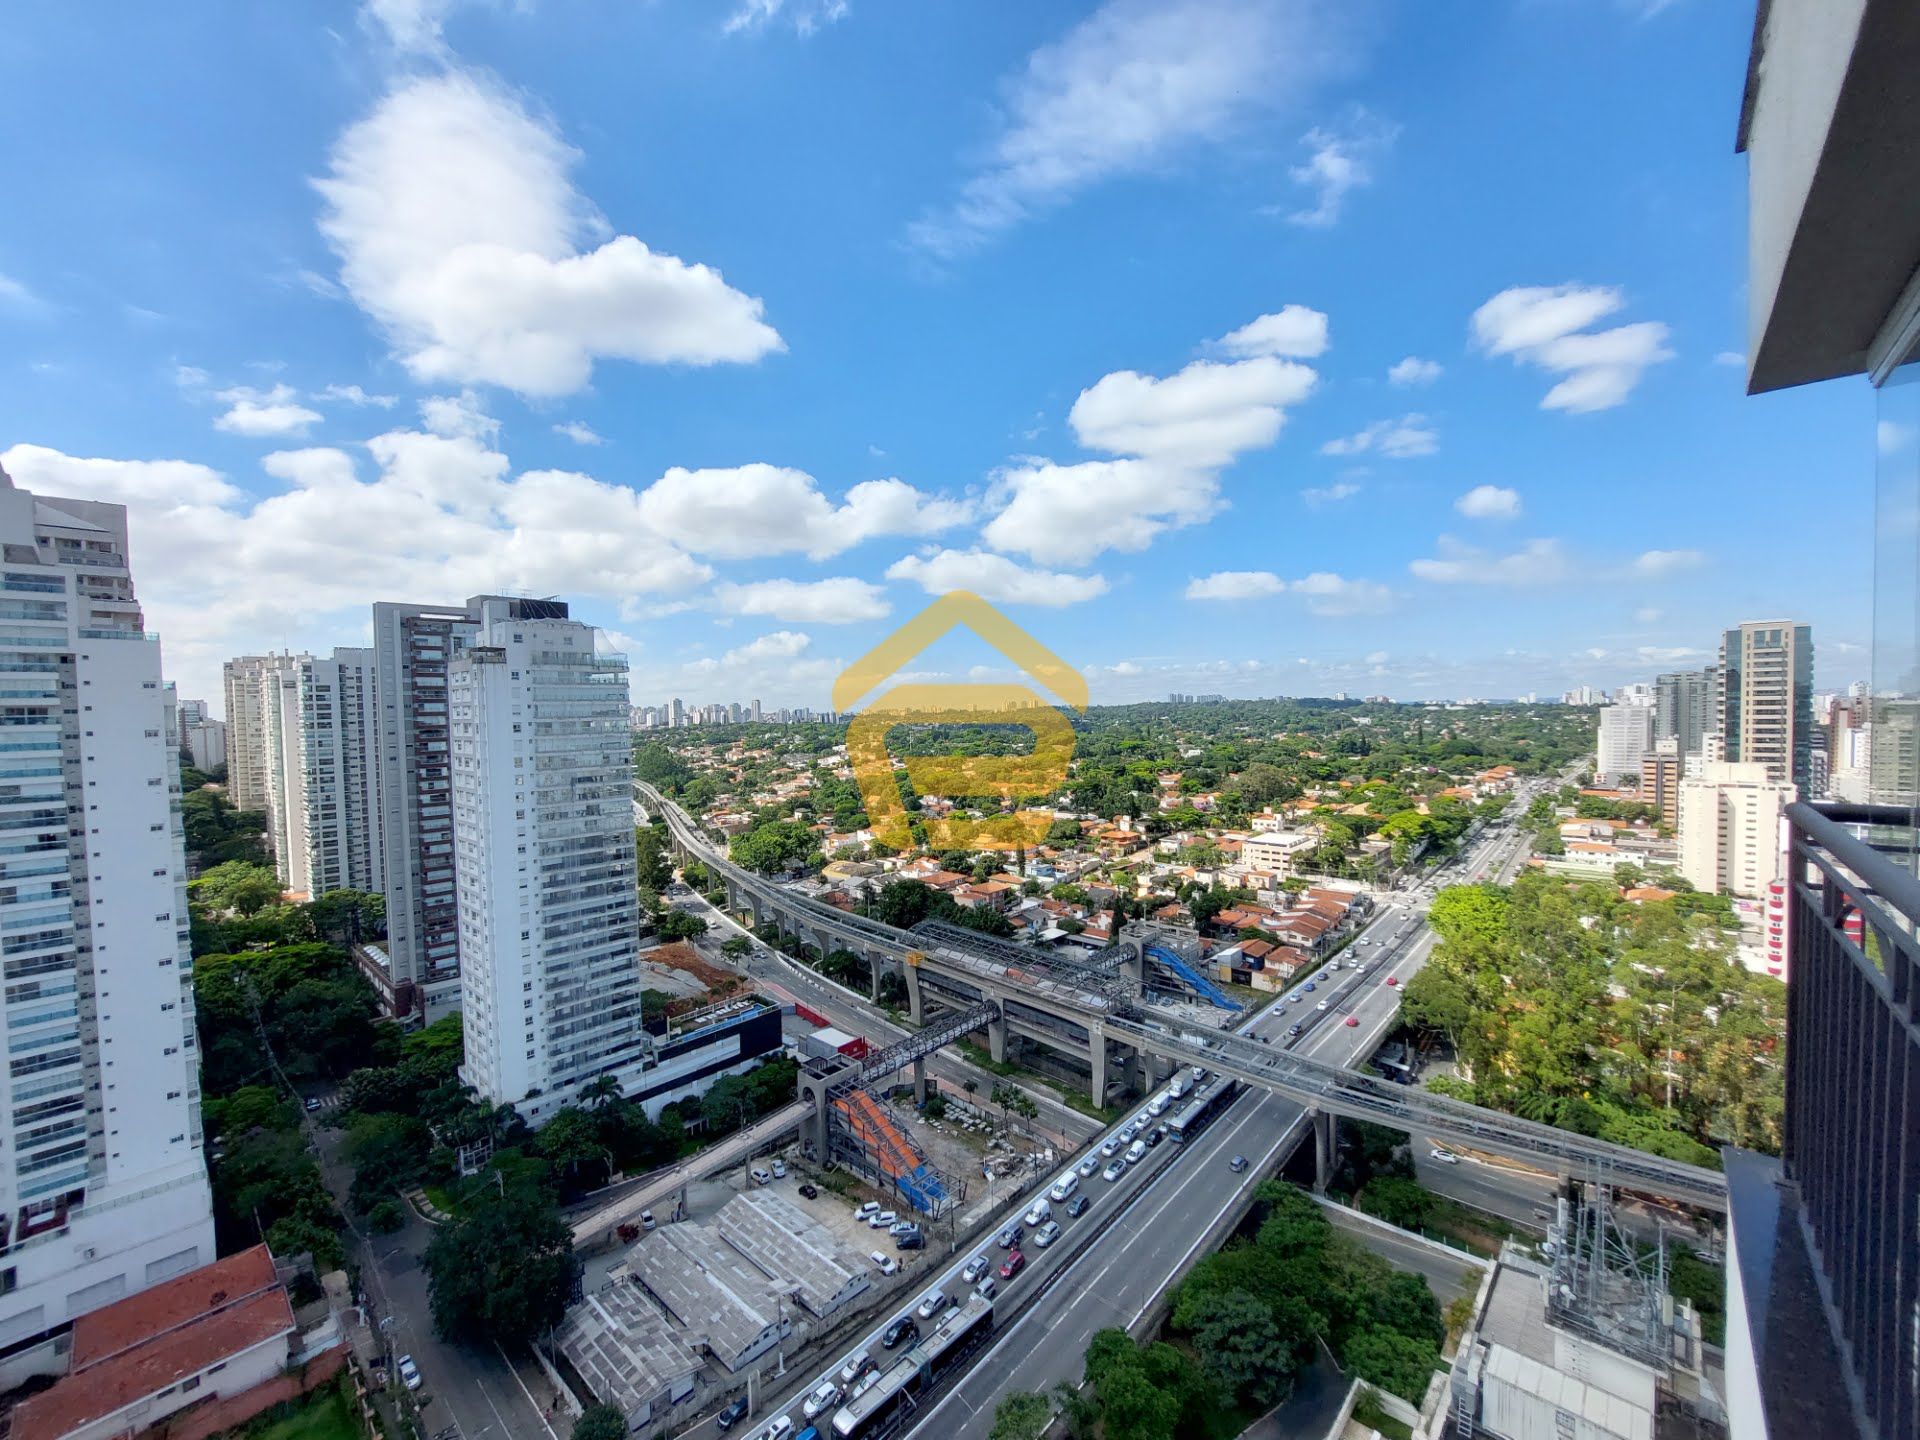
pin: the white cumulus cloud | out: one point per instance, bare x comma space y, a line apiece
1067, 514
995, 577
1489, 502
459, 231
761, 509
1550, 326
579, 432
1413, 371
841, 600
439, 516
1205, 415
264, 412
1292, 330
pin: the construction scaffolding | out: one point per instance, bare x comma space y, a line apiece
864, 1135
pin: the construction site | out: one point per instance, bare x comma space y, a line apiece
745, 1272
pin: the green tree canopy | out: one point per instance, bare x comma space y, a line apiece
1022, 1415
1392, 1361
600, 1422
503, 1268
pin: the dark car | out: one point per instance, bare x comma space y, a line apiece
1293, 1032
1156, 1135
1078, 1206
910, 1240
732, 1415
809, 1192
903, 1331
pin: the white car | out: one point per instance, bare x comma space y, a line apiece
1324, 1005
779, 1169
1038, 1212
1445, 1157
824, 1396
1111, 1148
976, 1267
1115, 1169
867, 1211
934, 1302
882, 1220
1089, 1167
888, 1265
781, 1427
1136, 1152
1046, 1235
409, 1372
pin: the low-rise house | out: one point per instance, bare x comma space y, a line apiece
198, 1354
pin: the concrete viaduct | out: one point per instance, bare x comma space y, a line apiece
1092, 1012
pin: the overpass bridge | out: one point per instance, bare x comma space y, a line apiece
1097, 1015
1044, 1000
1329, 1092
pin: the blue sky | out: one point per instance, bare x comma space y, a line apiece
1254, 346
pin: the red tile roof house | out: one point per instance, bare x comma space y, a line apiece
188, 1358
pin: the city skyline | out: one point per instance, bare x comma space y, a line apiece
1325, 462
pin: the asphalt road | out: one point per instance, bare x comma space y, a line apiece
1511, 1194
1145, 1249
1145, 1229
474, 1390
1446, 1274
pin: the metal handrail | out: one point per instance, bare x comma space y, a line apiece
1827, 823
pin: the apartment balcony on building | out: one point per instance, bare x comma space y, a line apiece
1824, 1254
1823, 1332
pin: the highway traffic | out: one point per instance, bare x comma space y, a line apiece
1144, 1220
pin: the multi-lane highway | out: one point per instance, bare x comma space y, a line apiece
1124, 1275
1114, 1262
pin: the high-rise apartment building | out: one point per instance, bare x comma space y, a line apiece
246, 732
413, 646
103, 1186
1730, 835
203, 739
1683, 708
1764, 698
542, 789
1625, 738
319, 740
